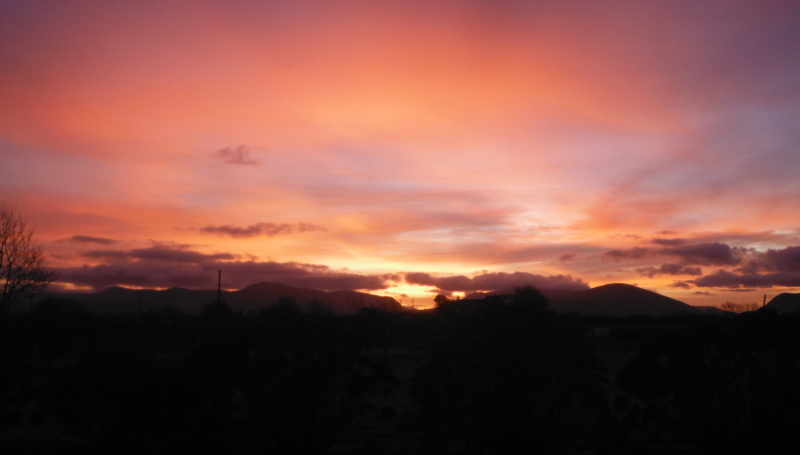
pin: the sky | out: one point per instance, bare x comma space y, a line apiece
407, 148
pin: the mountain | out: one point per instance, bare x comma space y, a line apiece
786, 303
118, 300
616, 300
341, 302
619, 300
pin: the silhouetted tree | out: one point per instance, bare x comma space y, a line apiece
441, 300
734, 307
530, 297
21, 260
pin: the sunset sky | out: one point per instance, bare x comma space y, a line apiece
407, 148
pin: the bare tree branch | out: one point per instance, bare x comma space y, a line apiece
22, 268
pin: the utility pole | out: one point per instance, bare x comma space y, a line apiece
765, 301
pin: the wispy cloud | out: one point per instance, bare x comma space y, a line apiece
668, 242
259, 229
90, 239
236, 155
629, 253
568, 256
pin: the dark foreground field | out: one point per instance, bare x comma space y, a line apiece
486, 376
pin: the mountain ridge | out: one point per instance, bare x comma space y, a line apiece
785, 303
614, 300
619, 299
119, 300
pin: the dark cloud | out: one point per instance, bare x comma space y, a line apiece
731, 280
669, 269
695, 271
715, 253
142, 274
90, 239
785, 260
757, 269
160, 253
630, 253
649, 272
166, 254
668, 242
742, 268
165, 266
304, 275
702, 293
495, 281
265, 229
236, 155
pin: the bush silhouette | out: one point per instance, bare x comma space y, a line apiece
729, 387
508, 374
112, 401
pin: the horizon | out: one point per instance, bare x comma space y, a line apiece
407, 150
67, 292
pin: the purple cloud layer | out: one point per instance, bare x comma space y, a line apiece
259, 229
742, 267
495, 281
89, 239
669, 269
714, 253
167, 266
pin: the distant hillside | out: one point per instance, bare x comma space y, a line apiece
786, 303
619, 300
117, 300
341, 302
615, 300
